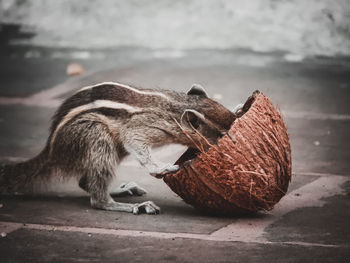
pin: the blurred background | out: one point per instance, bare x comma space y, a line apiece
304, 28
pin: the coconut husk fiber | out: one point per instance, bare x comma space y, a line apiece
248, 170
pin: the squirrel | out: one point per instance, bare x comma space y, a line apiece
98, 126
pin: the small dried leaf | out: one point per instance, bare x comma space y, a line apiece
74, 69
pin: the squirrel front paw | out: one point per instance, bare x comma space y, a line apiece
166, 169
130, 188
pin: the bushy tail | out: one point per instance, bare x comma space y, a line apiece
19, 177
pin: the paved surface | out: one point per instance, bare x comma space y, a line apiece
310, 224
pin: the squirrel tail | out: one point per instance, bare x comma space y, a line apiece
19, 177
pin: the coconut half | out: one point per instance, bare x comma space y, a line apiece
248, 170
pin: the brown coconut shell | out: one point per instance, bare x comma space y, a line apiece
248, 170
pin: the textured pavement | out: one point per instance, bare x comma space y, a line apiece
310, 224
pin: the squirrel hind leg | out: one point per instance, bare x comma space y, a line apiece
127, 189
95, 156
97, 184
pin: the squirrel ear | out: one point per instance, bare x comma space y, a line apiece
197, 89
191, 119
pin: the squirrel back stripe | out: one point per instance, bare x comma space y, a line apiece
92, 105
118, 85
134, 97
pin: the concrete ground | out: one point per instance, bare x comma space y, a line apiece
310, 224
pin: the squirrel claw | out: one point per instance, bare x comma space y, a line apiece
147, 207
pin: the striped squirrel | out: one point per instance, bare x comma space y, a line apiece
94, 129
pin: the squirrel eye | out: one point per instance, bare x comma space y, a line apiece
195, 123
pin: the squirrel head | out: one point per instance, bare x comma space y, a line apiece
209, 120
